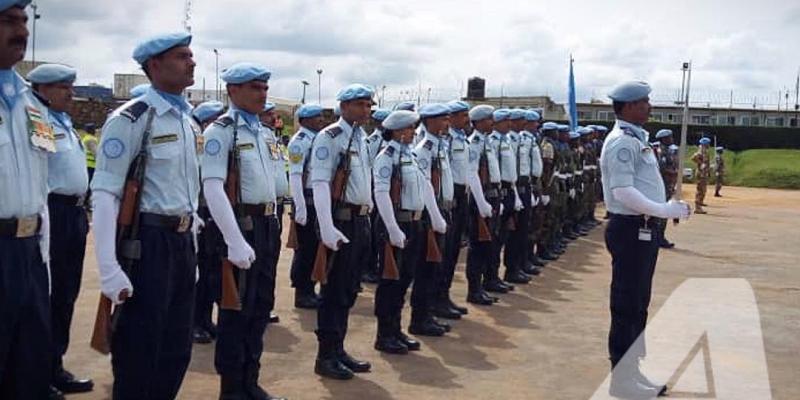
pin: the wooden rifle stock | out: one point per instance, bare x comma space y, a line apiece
390, 270
291, 241
433, 255
231, 300
103, 324
230, 295
484, 235
320, 271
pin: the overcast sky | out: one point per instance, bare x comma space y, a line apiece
523, 47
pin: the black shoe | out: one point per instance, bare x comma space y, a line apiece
638, 376
201, 336
410, 343
447, 328
477, 298
666, 244
494, 299
54, 394
307, 301
391, 345
717, 195
426, 328
518, 277
443, 310
354, 365
559, 250
65, 382
571, 235
529, 269
454, 306
370, 277
255, 392
548, 256
332, 368
538, 262
495, 287
507, 285
274, 318
232, 388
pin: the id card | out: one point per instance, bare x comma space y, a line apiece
645, 234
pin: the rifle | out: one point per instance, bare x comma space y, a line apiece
322, 261
484, 234
231, 296
433, 253
390, 270
129, 247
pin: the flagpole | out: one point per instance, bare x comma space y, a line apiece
573, 107
687, 67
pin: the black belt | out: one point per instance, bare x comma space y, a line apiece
348, 211
24, 227
177, 223
67, 200
506, 185
257, 210
523, 180
408, 215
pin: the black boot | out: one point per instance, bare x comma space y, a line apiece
475, 292
625, 385
251, 387
423, 326
495, 286
515, 276
328, 364
305, 300
386, 341
231, 387
412, 344
353, 364
447, 328
530, 269
67, 383
461, 310
537, 262
441, 308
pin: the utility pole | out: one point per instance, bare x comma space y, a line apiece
36, 15
687, 73
305, 83
216, 63
319, 85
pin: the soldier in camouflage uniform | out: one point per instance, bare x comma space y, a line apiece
668, 165
566, 200
546, 244
719, 171
700, 159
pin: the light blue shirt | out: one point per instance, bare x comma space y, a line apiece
428, 148
506, 156
330, 145
66, 167
628, 160
524, 148
23, 167
459, 155
299, 153
375, 143
256, 164
396, 157
535, 155
479, 147
172, 178
278, 164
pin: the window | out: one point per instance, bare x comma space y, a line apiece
585, 115
606, 115
657, 117
675, 118
701, 119
793, 122
750, 120
775, 121
726, 120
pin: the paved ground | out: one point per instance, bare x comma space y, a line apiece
547, 340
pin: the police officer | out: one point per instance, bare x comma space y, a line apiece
148, 363
668, 165
375, 144
280, 173
401, 227
702, 172
634, 195
530, 170
344, 226
547, 245
68, 181
209, 252
517, 244
252, 236
26, 140
590, 176
304, 216
483, 179
431, 154
458, 153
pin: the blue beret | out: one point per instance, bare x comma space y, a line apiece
531, 115
705, 140
405, 105
563, 128
159, 44
308, 111
480, 112
354, 92
431, 110
380, 114
630, 91
600, 128
245, 72
457, 106
574, 135
400, 119
501, 114
585, 131
516, 113
140, 90
52, 73
268, 106
207, 110
663, 133
720, 148
6, 4
550, 126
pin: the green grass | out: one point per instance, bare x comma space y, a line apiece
767, 168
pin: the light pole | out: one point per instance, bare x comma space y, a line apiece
36, 16
383, 96
216, 63
319, 85
303, 100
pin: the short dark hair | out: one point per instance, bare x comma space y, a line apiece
618, 106
387, 134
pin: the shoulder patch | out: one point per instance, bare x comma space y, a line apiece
134, 111
224, 121
301, 135
428, 144
475, 139
389, 150
334, 131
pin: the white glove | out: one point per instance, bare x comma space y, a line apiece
300, 212
517, 202
44, 238
502, 208
572, 193
241, 254
485, 209
545, 199
397, 237
104, 222
438, 224
677, 209
331, 237
534, 200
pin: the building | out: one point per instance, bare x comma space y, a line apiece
123, 83
25, 66
698, 116
94, 92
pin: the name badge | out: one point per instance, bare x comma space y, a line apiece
164, 139
645, 235
245, 146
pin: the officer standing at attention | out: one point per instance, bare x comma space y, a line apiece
148, 364
401, 226
702, 172
547, 245
68, 181
281, 174
634, 195
253, 236
530, 169
375, 144
304, 216
458, 153
26, 140
668, 165
431, 154
344, 226
209, 254
516, 246
719, 171
483, 180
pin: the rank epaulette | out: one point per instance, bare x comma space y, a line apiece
134, 111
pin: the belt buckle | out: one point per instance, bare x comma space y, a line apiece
81, 201
417, 215
184, 223
363, 210
269, 209
27, 226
